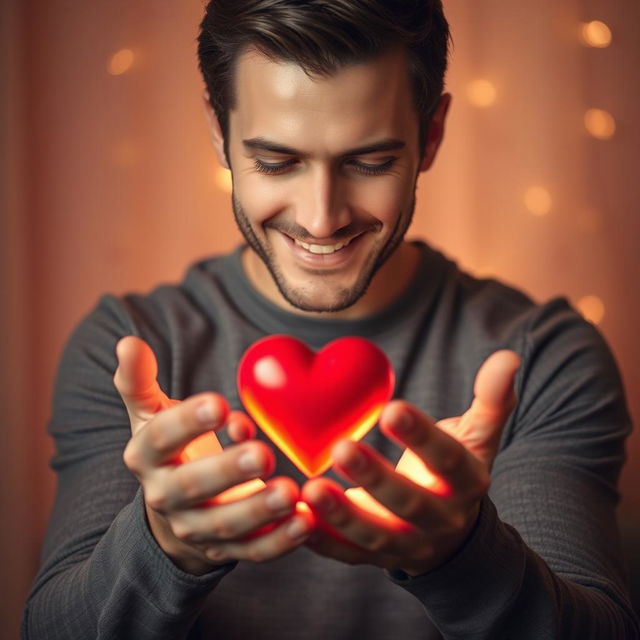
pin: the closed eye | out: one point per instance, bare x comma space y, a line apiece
276, 168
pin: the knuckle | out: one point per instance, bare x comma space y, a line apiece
182, 532
377, 543
223, 531
188, 486
217, 554
410, 507
341, 518
157, 437
256, 553
452, 461
157, 500
424, 552
458, 523
131, 457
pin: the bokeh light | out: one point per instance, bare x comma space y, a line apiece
600, 123
120, 62
596, 34
538, 200
591, 308
481, 93
222, 179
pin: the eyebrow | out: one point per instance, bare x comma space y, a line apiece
263, 144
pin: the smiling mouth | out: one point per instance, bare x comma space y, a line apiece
322, 249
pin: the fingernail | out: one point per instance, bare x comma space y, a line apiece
297, 528
327, 502
357, 461
403, 424
277, 501
249, 463
206, 412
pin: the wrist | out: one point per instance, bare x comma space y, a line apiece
182, 555
448, 549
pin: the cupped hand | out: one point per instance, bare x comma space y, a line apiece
180, 497
425, 526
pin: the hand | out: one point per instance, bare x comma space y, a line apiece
198, 536
428, 527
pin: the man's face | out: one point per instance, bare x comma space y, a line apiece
324, 174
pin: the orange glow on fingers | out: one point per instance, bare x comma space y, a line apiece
410, 466
207, 444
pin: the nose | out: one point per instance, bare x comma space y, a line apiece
321, 206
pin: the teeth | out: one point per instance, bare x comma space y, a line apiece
322, 248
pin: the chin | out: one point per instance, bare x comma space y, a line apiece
322, 298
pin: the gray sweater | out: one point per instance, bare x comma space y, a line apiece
542, 562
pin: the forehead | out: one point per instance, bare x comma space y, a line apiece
278, 100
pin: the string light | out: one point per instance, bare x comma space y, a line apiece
591, 308
120, 62
222, 179
596, 34
481, 93
600, 124
538, 200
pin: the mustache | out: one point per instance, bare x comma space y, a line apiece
297, 232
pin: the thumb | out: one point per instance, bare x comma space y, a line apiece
493, 388
135, 380
480, 427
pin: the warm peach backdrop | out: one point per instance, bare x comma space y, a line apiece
108, 183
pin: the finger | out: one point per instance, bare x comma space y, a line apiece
366, 530
135, 379
443, 455
234, 520
493, 389
481, 425
240, 427
409, 501
284, 538
162, 438
191, 484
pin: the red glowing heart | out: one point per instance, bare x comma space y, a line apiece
305, 402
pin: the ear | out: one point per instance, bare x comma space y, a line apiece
214, 130
436, 131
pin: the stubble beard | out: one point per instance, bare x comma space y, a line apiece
343, 297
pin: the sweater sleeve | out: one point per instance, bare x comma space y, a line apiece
544, 560
102, 573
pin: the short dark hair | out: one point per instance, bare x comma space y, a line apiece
322, 36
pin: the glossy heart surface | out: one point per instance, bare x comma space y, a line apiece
305, 401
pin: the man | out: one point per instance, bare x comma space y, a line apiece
326, 113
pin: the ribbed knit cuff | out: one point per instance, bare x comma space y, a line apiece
478, 583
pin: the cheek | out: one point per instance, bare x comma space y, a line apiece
383, 199
259, 199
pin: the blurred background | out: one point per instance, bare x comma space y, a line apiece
108, 183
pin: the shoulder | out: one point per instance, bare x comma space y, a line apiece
161, 316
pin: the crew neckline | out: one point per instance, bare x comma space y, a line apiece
319, 329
